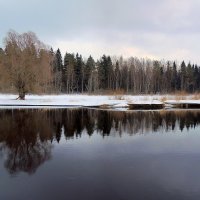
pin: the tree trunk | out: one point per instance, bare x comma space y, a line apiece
21, 95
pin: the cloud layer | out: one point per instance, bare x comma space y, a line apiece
167, 29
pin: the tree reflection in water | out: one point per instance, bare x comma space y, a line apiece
25, 140
26, 136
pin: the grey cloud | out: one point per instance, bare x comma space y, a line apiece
158, 27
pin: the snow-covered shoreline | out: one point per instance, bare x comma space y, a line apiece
118, 101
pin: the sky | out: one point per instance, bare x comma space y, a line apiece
157, 29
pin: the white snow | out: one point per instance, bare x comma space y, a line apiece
75, 100
146, 102
182, 102
121, 101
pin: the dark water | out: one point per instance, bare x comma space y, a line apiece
89, 154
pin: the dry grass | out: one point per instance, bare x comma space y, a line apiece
163, 99
196, 96
116, 94
119, 92
181, 95
112, 92
117, 97
179, 98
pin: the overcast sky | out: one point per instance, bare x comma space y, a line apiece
161, 29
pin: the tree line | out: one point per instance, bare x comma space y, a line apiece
132, 75
28, 66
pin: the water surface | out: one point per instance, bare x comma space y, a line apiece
91, 154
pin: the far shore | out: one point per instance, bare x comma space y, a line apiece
103, 101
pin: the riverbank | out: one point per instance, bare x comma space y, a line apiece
111, 101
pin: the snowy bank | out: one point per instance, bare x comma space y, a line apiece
184, 103
76, 100
116, 102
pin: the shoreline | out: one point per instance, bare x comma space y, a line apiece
132, 102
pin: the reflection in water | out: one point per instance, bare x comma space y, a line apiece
25, 139
26, 135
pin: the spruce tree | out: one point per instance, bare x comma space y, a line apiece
79, 73
117, 75
189, 78
58, 65
183, 76
59, 62
105, 71
89, 68
69, 73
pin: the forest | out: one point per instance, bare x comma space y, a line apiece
27, 65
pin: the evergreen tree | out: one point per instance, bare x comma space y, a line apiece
59, 62
167, 78
69, 73
2, 74
196, 77
183, 76
79, 73
57, 70
157, 72
117, 75
1, 51
102, 65
105, 70
174, 82
189, 78
2, 55
88, 78
109, 73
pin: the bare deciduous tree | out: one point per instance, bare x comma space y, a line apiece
27, 62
